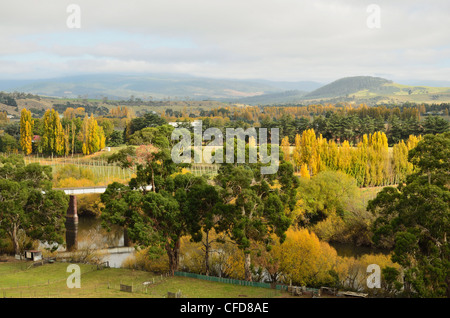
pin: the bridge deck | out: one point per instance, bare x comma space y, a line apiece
111, 250
87, 190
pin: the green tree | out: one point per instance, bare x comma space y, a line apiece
8, 143
115, 139
203, 210
413, 219
257, 205
154, 219
28, 204
435, 125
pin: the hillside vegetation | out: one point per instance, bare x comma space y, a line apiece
347, 85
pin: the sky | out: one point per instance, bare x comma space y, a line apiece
280, 40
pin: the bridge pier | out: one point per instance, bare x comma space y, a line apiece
72, 225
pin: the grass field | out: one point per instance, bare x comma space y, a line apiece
17, 280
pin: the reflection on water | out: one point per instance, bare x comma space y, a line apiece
351, 250
91, 231
91, 234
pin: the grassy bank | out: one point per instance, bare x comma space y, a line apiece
20, 280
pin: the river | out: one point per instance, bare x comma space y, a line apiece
91, 234
351, 250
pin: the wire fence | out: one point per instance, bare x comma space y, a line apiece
100, 168
209, 170
26, 283
103, 171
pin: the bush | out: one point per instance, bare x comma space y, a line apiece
143, 261
74, 183
304, 259
73, 176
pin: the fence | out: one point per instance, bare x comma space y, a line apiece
238, 282
204, 169
137, 287
102, 171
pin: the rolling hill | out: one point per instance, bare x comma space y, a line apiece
160, 87
376, 90
348, 85
285, 97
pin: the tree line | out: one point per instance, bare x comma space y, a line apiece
250, 209
56, 136
370, 162
255, 212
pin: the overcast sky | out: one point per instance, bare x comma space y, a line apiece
289, 40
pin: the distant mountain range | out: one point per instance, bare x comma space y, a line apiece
156, 86
366, 89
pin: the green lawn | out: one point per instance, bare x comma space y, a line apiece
19, 280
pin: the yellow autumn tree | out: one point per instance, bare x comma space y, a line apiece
413, 141
359, 160
285, 147
307, 149
304, 172
53, 137
91, 135
345, 157
59, 139
377, 163
400, 164
320, 146
305, 260
26, 131
84, 134
296, 156
330, 155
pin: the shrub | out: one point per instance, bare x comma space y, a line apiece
73, 176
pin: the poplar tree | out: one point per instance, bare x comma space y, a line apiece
296, 156
307, 149
92, 135
53, 137
285, 147
26, 131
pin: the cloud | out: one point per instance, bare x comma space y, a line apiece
280, 40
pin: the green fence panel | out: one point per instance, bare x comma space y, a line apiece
226, 280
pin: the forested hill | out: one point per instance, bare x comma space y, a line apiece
286, 97
347, 85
